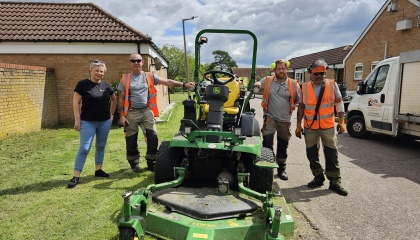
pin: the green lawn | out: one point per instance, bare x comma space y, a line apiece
35, 202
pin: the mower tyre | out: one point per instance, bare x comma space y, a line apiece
261, 179
166, 160
127, 234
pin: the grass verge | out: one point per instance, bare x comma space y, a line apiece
34, 200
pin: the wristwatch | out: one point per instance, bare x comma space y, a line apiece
183, 85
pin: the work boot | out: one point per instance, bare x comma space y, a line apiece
282, 175
151, 164
135, 165
136, 169
336, 187
318, 181
281, 171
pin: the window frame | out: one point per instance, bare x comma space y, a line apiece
300, 76
358, 72
373, 65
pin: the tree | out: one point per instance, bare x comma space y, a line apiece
203, 68
176, 59
222, 61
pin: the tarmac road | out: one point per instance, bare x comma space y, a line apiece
382, 175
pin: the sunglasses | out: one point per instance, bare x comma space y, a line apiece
319, 74
136, 60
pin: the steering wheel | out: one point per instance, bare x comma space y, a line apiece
216, 80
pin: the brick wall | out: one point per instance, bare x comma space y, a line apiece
70, 68
28, 99
372, 47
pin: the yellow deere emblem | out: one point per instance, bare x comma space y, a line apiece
216, 90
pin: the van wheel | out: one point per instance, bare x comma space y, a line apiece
356, 127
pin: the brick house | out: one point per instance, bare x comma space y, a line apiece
245, 73
394, 29
298, 66
62, 39
334, 57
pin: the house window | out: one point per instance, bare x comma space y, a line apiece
373, 65
300, 77
358, 71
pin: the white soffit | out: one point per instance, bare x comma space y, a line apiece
77, 48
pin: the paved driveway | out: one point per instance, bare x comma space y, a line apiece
382, 175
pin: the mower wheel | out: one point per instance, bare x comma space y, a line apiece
166, 160
127, 234
261, 179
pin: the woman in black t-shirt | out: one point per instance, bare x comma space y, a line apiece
94, 104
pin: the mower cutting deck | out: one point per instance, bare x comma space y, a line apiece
213, 180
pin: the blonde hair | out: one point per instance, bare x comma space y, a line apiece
97, 63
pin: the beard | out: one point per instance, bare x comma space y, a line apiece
318, 80
280, 75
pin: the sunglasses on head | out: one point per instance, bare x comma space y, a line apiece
97, 63
318, 74
136, 60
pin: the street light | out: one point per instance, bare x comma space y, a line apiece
185, 45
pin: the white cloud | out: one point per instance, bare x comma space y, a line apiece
284, 28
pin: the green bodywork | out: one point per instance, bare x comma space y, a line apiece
251, 82
272, 219
269, 222
230, 142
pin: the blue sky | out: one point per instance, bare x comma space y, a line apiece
284, 28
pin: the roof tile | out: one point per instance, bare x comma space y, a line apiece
331, 56
37, 21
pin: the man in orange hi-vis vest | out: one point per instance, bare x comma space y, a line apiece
137, 105
280, 97
319, 96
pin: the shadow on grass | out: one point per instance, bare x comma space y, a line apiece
145, 176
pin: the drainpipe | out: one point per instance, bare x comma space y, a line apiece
138, 47
386, 45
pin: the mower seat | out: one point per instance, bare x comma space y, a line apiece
229, 107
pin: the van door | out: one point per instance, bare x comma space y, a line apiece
379, 102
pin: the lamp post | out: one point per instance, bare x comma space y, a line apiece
185, 45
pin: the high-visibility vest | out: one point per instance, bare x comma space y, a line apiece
293, 88
325, 118
152, 98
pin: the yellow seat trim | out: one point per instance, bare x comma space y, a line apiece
234, 91
227, 110
229, 105
231, 110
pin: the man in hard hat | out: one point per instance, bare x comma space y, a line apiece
280, 97
319, 96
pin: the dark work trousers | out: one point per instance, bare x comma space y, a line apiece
144, 119
270, 127
329, 142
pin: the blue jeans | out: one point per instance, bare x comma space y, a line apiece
88, 130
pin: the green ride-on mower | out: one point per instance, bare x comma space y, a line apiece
213, 180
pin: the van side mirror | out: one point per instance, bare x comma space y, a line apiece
360, 88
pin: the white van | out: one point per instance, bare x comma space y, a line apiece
388, 101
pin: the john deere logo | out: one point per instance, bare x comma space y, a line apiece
216, 90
